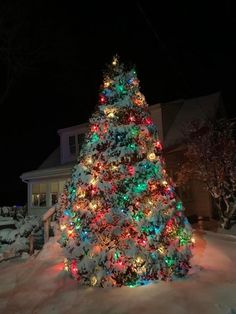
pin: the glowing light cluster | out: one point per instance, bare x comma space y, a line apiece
121, 223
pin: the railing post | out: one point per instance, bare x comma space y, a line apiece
46, 231
31, 244
46, 220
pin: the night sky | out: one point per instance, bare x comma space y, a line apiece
59, 49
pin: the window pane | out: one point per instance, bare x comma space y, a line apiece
42, 200
43, 188
35, 199
61, 186
54, 187
36, 188
72, 150
72, 140
80, 138
72, 145
54, 198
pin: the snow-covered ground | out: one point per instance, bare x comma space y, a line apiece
38, 285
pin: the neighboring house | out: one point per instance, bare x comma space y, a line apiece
47, 182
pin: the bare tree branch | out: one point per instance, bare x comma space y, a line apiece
210, 157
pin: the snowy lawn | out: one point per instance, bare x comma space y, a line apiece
39, 285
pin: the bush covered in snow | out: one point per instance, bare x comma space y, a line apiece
15, 232
8, 236
16, 212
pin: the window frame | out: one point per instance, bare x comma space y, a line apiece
51, 198
73, 145
78, 143
39, 198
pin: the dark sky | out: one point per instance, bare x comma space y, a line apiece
59, 50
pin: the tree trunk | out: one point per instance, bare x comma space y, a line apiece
226, 223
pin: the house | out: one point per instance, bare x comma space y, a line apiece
47, 182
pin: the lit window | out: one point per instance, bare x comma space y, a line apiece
54, 189
39, 195
54, 198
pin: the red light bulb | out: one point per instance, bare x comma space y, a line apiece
148, 121
102, 99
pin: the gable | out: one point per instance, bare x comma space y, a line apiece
200, 108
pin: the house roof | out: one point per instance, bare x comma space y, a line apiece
54, 172
185, 111
52, 160
81, 127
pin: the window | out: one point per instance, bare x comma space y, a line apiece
39, 195
54, 189
72, 145
80, 139
75, 142
54, 198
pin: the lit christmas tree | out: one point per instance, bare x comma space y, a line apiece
123, 224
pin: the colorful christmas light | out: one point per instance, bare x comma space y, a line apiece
121, 223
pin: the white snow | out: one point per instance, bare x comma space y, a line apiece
15, 241
38, 285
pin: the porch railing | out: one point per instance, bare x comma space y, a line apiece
47, 218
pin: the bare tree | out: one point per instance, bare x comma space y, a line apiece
211, 157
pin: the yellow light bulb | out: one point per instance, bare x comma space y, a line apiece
106, 84
115, 60
148, 213
62, 227
94, 181
164, 182
82, 194
110, 112
139, 260
161, 250
111, 115
93, 205
114, 168
151, 156
66, 267
89, 160
93, 280
193, 240
70, 232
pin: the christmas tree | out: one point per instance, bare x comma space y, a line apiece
123, 224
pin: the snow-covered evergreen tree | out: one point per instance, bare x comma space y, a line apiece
123, 224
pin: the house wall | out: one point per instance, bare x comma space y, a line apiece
201, 204
195, 198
